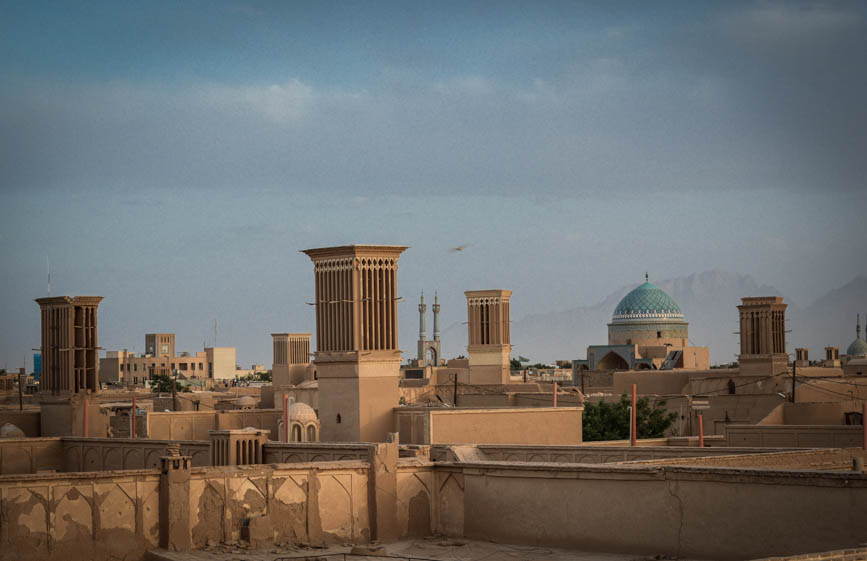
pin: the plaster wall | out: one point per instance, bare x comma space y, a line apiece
669, 382
699, 513
489, 426
30, 455
819, 413
103, 454
291, 452
794, 436
79, 517
27, 420
311, 503
195, 425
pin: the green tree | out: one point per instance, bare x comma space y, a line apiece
514, 364
610, 421
257, 377
162, 383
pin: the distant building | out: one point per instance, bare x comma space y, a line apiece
429, 349
858, 347
130, 369
37, 366
648, 331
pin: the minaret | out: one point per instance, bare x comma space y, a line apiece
422, 309
436, 312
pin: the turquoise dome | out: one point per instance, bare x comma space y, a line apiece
858, 347
648, 301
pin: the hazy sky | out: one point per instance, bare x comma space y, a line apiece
174, 157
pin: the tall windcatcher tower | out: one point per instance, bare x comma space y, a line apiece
357, 356
70, 361
763, 335
488, 336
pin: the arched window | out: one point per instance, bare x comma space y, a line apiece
311, 433
731, 386
296, 433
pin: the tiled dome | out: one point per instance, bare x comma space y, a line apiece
857, 348
647, 301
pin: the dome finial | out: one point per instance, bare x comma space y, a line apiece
646, 277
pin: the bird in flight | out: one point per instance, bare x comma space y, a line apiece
460, 247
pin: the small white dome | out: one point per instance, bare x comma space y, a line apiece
302, 412
11, 431
247, 401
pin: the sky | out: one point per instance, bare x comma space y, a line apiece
175, 157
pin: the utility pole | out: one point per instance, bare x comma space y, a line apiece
20, 393
175, 390
794, 367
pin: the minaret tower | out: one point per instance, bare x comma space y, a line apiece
426, 345
436, 311
422, 330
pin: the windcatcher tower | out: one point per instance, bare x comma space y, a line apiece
489, 344
763, 336
357, 356
291, 358
70, 361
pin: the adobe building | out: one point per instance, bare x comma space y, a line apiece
216, 363
763, 336
160, 344
357, 356
648, 331
488, 336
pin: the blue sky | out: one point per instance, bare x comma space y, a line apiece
175, 156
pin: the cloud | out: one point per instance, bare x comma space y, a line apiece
788, 21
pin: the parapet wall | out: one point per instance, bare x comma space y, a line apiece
310, 503
291, 452
78, 517
104, 454
30, 455
702, 513
795, 436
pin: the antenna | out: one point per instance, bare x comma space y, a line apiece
215, 333
48, 266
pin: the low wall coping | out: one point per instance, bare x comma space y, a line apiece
703, 473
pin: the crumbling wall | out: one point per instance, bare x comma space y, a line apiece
312, 503
77, 517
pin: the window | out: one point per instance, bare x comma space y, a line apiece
659, 334
182, 366
338, 418
173, 366
135, 367
192, 366
200, 366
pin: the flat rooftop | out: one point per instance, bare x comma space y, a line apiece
418, 549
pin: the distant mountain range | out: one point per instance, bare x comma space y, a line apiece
708, 301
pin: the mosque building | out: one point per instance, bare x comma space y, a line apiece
647, 332
858, 347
